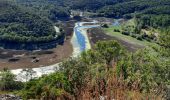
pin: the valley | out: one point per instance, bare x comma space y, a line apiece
84, 50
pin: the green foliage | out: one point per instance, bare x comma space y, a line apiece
164, 41
155, 21
109, 50
145, 70
105, 26
91, 67
90, 5
7, 81
23, 26
147, 13
125, 33
56, 13
132, 6
46, 87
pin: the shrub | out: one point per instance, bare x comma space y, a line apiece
133, 35
7, 81
46, 87
148, 39
127, 16
116, 30
125, 33
105, 26
139, 38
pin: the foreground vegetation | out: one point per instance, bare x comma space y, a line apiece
106, 71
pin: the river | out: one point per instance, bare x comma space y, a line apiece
79, 41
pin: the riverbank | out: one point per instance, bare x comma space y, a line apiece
47, 61
97, 34
20, 59
33, 59
80, 39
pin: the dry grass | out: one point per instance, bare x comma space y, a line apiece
112, 88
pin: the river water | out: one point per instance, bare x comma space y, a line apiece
116, 23
79, 41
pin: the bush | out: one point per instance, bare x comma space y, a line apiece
46, 87
125, 33
116, 30
133, 35
105, 26
148, 39
7, 81
139, 38
127, 16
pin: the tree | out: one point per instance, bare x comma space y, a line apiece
109, 50
47, 87
145, 71
164, 41
7, 81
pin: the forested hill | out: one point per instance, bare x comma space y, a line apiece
73, 4
136, 6
153, 13
51, 9
18, 24
107, 8
25, 20
31, 20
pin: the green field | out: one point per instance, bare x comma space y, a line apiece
110, 31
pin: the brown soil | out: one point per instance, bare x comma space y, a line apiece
30, 59
97, 34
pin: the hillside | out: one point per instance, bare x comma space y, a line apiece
52, 9
153, 13
135, 6
20, 25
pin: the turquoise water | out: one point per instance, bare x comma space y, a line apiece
80, 37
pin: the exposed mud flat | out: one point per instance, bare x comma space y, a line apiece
30, 59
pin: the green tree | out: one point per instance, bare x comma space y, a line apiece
164, 41
7, 81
